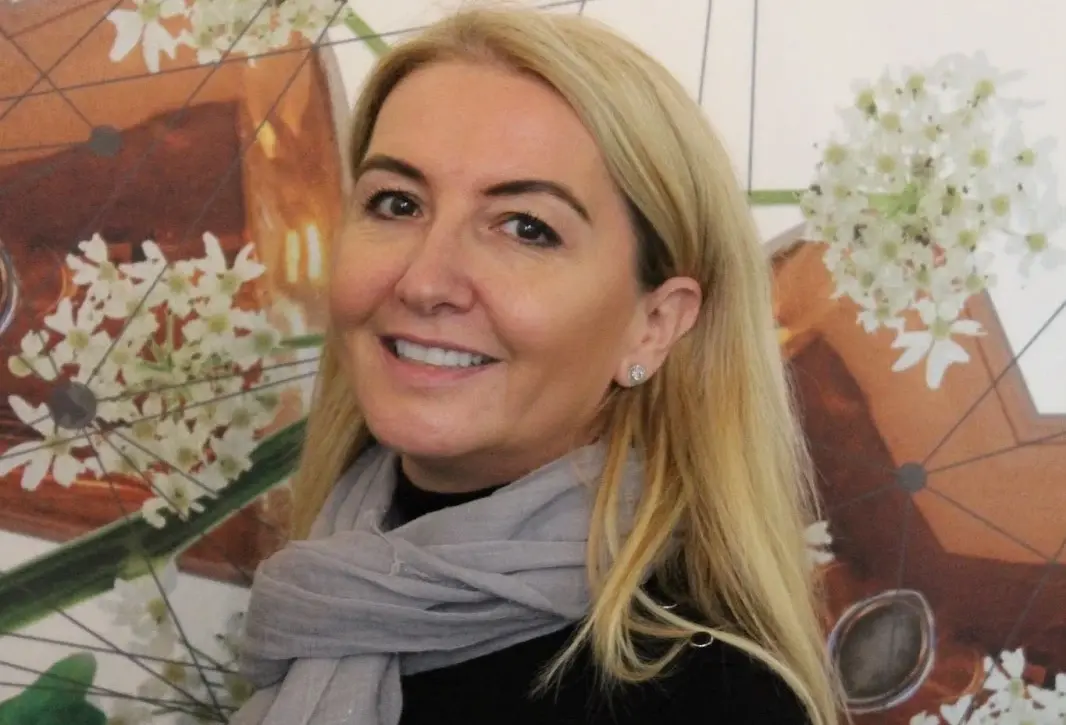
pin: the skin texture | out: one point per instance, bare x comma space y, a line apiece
436, 250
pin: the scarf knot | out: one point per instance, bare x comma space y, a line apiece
333, 622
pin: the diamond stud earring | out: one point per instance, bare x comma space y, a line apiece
637, 374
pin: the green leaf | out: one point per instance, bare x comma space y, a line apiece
775, 197
364, 32
57, 697
88, 566
303, 341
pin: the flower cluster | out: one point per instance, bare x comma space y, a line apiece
177, 373
929, 181
1006, 699
212, 28
187, 681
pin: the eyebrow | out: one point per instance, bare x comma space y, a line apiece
380, 162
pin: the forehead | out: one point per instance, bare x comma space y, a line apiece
478, 123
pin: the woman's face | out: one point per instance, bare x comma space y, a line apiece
484, 285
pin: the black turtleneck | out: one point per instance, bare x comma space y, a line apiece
716, 684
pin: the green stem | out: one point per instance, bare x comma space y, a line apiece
301, 341
87, 566
775, 197
364, 32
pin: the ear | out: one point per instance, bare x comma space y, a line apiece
663, 317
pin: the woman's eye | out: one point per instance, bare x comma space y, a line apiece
390, 204
528, 228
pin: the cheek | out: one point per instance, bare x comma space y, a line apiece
357, 281
578, 329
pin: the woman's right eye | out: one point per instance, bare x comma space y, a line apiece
392, 204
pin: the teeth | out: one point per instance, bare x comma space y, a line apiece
437, 356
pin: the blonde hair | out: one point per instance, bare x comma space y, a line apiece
726, 479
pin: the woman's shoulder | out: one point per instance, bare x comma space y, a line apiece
713, 678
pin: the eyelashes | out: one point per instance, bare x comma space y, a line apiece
390, 204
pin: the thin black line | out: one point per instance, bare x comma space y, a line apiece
94, 689
703, 55
58, 16
218, 187
244, 58
159, 588
63, 146
831, 511
999, 394
751, 98
155, 490
44, 74
581, 7
1050, 567
114, 648
999, 452
38, 172
200, 381
995, 381
988, 523
103, 650
47, 77
131, 174
158, 416
199, 484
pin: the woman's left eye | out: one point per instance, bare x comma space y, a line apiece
531, 230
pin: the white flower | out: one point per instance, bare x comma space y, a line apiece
142, 605
1053, 701
98, 276
935, 343
1005, 679
819, 543
143, 26
129, 712
920, 186
81, 341
174, 493
54, 453
31, 358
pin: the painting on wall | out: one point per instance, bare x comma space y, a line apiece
171, 175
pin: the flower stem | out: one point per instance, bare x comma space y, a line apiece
364, 32
300, 342
88, 566
775, 197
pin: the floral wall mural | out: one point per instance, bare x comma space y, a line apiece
171, 175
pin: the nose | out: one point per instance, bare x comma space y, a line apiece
435, 279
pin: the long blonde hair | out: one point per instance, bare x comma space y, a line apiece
726, 480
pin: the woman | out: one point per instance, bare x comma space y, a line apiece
551, 473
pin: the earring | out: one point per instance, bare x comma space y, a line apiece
637, 374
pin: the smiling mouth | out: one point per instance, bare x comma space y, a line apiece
438, 357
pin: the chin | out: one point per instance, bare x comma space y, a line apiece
420, 436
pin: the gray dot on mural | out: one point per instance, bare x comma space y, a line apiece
912, 477
105, 141
72, 405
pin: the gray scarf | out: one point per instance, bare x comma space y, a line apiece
334, 621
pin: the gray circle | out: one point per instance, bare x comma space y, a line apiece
72, 405
912, 477
105, 141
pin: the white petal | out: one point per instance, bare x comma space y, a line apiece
941, 356
128, 27
37, 470
917, 344
65, 469
967, 327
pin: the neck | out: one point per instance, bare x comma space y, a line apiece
467, 474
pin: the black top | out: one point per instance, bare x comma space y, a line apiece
716, 684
